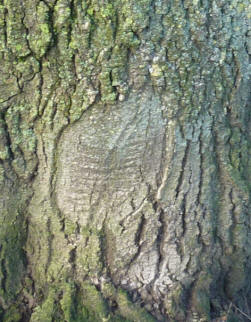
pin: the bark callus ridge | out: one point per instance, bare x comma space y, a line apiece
125, 160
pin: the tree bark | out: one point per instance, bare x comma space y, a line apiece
125, 160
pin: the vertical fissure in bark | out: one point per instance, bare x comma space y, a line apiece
49, 244
200, 181
6, 136
4, 275
183, 168
138, 239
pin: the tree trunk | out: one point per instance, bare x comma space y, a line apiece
125, 160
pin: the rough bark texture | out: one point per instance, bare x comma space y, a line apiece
125, 160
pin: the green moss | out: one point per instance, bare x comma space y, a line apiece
109, 97
107, 89
107, 11
90, 11
86, 304
23, 140
2, 24
174, 304
70, 227
67, 302
46, 311
94, 303
89, 257
201, 296
238, 181
1, 174
109, 291
131, 311
12, 315
4, 153
236, 277
12, 238
62, 14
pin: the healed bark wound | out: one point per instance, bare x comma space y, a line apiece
125, 160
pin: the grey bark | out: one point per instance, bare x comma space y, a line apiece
125, 162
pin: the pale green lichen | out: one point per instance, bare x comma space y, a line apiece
15, 30
40, 37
